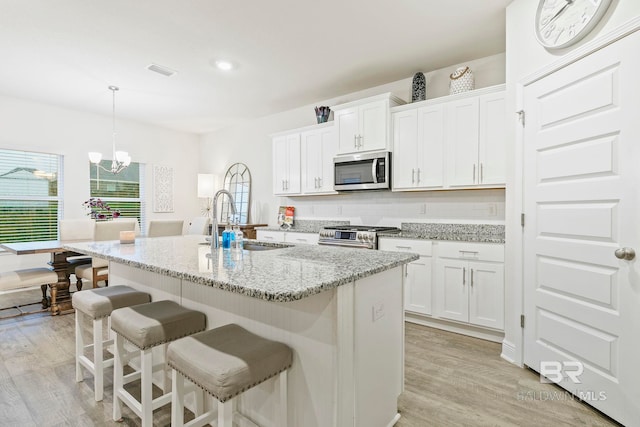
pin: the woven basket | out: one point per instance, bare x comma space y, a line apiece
461, 80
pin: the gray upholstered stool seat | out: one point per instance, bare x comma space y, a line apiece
98, 304
147, 326
225, 362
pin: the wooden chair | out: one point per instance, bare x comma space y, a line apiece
161, 228
98, 270
74, 230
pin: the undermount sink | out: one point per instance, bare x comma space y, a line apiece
259, 246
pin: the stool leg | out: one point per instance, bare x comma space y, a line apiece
199, 405
281, 394
177, 399
166, 374
146, 383
225, 413
118, 373
79, 345
98, 364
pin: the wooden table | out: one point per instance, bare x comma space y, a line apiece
60, 296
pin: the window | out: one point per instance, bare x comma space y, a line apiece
30, 196
123, 191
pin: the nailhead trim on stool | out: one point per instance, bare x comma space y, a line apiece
225, 362
98, 304
147, 326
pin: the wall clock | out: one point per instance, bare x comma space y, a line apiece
561, 23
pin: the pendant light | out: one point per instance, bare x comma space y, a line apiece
121, 159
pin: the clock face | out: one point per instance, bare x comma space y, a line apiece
560, 23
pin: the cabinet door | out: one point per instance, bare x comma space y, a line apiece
307, 238
293, 164
452, 296
346, 122
405, 141
280, 166
417, 290
462, 142
329, 144
492, 142
373, 126
486, 294
270, 236
311, 161
430, 147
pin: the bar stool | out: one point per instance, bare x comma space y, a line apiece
147, 326
98, 304
226, 362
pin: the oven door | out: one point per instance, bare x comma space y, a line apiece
367, 171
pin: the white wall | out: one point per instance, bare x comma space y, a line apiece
524, 56
31, 126
250, 143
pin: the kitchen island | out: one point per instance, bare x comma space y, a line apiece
339, 309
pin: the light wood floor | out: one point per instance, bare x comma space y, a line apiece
450, 380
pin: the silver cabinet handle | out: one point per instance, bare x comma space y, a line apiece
301, 240
474, 173
319, 182
283, 185
267, 237
471, 277
481, 173
315, 182
418, 181
355, 141
413, 176
625, 253
464, 276
404, 247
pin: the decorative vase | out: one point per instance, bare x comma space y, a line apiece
322, 114
418, 88
461, 80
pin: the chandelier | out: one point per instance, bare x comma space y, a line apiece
121, 159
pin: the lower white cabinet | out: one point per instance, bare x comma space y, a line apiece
287, 237
469, 283
417, 284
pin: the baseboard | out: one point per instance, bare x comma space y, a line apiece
394, 421
458, 328
509, 352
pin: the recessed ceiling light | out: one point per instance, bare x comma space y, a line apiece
224, 65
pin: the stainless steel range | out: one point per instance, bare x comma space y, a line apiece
353, 236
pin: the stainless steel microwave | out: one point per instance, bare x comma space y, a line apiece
362, 171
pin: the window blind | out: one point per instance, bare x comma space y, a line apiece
30, 195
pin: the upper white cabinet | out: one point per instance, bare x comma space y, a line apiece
319, 146
475, 141
455, 141
286, 164
418, 143
364, 125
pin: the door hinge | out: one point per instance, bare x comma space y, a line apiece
522, 320
522, 219
521, 116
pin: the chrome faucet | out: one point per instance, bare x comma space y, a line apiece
214, 226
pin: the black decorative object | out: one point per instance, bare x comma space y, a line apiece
322, 114
419, 88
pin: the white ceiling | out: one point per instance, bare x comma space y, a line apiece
289, 52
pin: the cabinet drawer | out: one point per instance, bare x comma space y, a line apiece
422, 247
471, 251
270, 236
308, 238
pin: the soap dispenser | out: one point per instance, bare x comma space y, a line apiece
226, 236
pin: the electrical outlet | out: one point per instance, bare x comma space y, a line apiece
377, 311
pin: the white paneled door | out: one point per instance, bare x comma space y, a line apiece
581, 196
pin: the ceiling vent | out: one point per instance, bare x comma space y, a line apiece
168, 72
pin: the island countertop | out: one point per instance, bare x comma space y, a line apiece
283, 274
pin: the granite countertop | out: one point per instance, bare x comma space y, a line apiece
479, 233
289, 273
305, 226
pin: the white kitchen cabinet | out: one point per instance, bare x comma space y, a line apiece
286, 164
469, 283
417, 285
319, 146
287, 237
476, 141
306, 238
363, 125
418, 144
